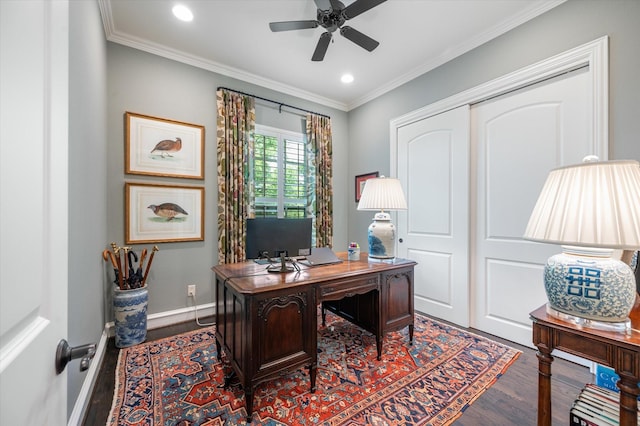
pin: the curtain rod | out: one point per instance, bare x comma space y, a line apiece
280, 104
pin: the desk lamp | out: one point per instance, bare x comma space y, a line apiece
382, 194
590, 209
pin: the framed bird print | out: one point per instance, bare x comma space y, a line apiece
163, 213
161, 147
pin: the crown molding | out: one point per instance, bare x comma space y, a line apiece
144, 45
112, 35
517, 20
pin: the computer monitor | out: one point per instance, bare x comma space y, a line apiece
274, 236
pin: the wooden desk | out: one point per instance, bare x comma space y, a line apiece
620, 351
266, 323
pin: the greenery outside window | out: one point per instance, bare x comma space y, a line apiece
280, 173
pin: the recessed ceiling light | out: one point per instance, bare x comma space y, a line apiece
182, 13
347, 78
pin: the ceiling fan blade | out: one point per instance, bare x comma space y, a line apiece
358, 38
292, 25
359, 6
323, 4
336, 5
321, 47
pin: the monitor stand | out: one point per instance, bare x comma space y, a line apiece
283, 267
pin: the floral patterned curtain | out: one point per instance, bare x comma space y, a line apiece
321, 191
236, 126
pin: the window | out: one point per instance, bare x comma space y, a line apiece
280, 172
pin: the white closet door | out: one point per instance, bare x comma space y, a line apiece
517, 139
434, 230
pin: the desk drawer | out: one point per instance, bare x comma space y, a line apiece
350, 287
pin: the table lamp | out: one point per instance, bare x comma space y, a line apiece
590, 209
382, 194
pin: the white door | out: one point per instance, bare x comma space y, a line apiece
434, 230
33, 210
517, 139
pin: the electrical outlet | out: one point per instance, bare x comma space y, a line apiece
191, 290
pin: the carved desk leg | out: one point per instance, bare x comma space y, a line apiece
313, 368
248, 396
324, 314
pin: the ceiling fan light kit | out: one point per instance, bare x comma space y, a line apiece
331, 15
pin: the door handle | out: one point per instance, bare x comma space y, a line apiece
65, 353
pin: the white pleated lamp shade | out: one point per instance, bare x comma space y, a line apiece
382, 193
593, 204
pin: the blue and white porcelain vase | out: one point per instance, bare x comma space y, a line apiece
589, 283
130, 310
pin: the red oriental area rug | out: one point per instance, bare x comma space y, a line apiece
177, 381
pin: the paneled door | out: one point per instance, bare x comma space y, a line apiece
472, 175
34, 89
517, 139
434, 231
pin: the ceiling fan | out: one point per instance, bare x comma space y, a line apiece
331, 15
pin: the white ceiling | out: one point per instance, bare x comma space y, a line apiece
232, 37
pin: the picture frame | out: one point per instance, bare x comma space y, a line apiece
361, 180
162, 147
158, 213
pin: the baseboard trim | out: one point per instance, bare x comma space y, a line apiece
157, 320
82, 402
163, 319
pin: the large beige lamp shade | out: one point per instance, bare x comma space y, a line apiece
382, 194
590, 209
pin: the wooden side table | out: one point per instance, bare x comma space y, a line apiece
618, 350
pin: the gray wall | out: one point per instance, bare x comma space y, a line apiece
87, 181
147, 84
567, 26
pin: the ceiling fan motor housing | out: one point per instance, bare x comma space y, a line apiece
331, 19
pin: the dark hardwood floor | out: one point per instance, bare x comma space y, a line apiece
512, 400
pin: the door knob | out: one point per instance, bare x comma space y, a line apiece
65, 353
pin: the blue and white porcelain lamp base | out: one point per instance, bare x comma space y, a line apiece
587, 287
382, 237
